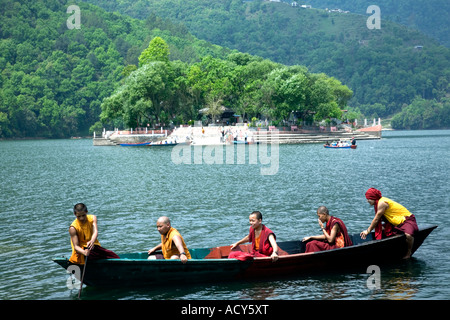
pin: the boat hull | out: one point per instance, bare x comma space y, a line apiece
212, 265
139, 144
147, 144
335, 147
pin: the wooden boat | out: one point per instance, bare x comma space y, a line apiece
212, 264
163, 144
343, 144
340, 147
244, 142
138, 144
148, 144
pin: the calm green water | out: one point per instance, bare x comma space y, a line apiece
129, 188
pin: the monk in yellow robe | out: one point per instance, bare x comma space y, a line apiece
396, 219
83, 237
172, 243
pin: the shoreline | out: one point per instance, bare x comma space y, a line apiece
224, 135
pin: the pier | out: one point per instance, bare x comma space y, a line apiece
216, 135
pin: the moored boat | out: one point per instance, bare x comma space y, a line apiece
162, 144
138, 144
149, 144
212, 264
340, 147
244, 142
341, 144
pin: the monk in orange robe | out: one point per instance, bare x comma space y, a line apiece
83, 237
172, 243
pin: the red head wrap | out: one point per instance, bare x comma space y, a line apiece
373, 194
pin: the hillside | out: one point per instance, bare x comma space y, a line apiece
427, 16
53, 79
385, 68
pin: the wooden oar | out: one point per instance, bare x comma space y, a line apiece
82, 276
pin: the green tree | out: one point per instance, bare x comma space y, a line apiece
157, 50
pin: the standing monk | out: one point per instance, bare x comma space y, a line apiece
333, 236
262, 239
83, 235
172, 243
396, 217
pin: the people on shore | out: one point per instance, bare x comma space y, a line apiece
262, 238
84, 237
396, 219
334, 234
172, 243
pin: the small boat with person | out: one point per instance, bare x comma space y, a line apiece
213, 264
341, 144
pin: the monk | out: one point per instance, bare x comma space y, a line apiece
172, 243
396, 218
83, 235
262, 238
333, 236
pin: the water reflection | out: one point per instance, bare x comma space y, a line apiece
399, 281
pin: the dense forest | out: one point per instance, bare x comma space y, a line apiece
53, 79
61, 81
386, 68
161, 90
427, 16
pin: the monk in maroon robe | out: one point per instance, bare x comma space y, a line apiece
333, 236
262, 238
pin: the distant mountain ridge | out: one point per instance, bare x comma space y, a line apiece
53, 78
428, 16
385, 68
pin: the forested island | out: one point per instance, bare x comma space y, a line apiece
258, 58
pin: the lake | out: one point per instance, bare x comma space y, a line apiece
128, 188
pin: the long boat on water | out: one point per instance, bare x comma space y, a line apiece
149, 144
340, 147
213, 265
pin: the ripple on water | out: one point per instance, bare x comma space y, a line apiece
129, 188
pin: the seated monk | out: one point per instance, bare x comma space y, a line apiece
83, 237
262, 239
396, 218
333, 236
172, 243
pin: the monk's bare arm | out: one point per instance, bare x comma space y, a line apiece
76, 243
243, 240
382, 206
90, 243
274, 245
332, 236
158, 247
179, 244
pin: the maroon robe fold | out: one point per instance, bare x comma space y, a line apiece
265, 248
98, 253
322, 245
381, 230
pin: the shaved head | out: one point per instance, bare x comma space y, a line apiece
163, 219
322, 209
